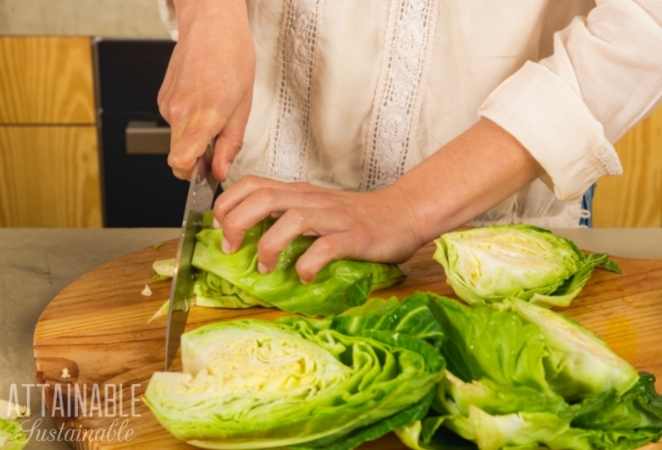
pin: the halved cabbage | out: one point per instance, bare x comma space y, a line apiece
489, 264
232, 280
523, 377
12, 436
302, 383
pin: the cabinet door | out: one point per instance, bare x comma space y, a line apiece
49, 177
634, 199
46, 80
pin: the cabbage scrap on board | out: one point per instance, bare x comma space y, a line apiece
523, 377
232, 280
303, 383
490, 264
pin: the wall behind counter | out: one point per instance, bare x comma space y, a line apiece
108, 18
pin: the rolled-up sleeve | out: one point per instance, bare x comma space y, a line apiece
167, 11
604, 75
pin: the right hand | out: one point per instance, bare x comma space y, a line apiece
208, 87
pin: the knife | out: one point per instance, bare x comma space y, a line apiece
200, 198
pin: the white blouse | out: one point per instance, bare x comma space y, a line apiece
353, 93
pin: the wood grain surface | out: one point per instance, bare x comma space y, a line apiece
634, 199
97, 328
46, 80
49, 177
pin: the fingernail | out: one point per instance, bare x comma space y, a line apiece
216, 223
225, 245
262, 268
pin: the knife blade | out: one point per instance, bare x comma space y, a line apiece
200, 198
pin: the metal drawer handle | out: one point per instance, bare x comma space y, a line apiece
147, 138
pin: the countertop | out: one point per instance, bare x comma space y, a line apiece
36, 263
106, 18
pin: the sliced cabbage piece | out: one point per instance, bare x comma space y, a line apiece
302, 383
489, 264
12, 436
579, 363
338, 286
520, 376
232, 280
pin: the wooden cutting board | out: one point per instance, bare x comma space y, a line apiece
97, 328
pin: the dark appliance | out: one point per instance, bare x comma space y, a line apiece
139, 189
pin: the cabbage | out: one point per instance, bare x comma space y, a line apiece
489, 264
523, 377
232, 280
303, 383
12, 436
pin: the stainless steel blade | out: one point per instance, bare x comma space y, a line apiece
200, 199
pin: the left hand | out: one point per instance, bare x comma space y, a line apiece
376, 226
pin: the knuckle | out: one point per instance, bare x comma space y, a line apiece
178, 161
267, 248
177, 110
251, 181
296, 216
219, 208
232, 224
264, 196
326, 245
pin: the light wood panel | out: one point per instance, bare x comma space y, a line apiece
46, 80
635, 198
49, 177
97, 328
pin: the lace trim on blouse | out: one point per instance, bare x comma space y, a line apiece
291, 141
397, 102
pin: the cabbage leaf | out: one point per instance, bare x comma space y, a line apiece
303, 383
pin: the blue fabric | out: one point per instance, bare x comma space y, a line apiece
587, 204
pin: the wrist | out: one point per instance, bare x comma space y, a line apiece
404, 206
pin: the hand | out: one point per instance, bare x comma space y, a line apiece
208, 87
375, 226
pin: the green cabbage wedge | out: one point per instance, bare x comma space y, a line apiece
303, 383
12, 436
523, 377
490, 264
232, 280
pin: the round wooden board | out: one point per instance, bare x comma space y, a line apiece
98, 329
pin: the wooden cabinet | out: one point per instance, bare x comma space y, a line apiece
49, 176
634, 199
46, 80
49, 157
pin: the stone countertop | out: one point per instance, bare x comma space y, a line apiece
37, 263
106, 18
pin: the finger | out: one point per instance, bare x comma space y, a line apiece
295, 223
238, 192
323, 251
190, 138
230, 140
165, 91
259, 205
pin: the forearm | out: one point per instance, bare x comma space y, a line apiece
232, 13
469, 175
